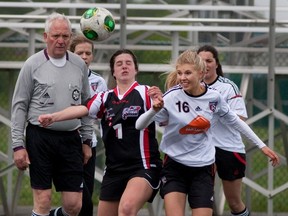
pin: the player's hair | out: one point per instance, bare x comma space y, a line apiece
56, 16
211, 49
191, 57
119, 52
171, 79
79, 39
187, 57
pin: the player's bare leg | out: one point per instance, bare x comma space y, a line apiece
136, 194
42, 201
175, 203
107, 208
232, 191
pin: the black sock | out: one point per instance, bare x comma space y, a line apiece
58, 212
245, 212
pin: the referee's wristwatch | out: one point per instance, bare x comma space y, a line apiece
87, 142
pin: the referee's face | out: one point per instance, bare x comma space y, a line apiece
58, 38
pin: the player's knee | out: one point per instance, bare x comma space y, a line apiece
42, 202
127, 208
236, 205
72, 208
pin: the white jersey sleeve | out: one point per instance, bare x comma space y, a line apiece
97, 84
226, 137
234, 121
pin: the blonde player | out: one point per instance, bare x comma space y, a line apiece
191, 111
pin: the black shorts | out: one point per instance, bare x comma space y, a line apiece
196, 182
113, 185
230, 165
55, 156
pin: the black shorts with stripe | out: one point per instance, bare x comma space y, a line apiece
196, 182
230, 165
114, 184
54, 156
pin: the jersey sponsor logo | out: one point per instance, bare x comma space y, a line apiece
75, 94
196, 126
94, 86
212, 106
120, 102
132, 111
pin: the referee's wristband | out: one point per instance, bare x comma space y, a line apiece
18, 148
87, 142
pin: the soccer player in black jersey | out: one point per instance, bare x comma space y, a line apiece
133, 161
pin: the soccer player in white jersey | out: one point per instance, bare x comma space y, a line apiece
230, 149
85, 49
191, 110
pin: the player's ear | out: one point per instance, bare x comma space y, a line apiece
45, 36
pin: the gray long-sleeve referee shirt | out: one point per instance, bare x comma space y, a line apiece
43, 88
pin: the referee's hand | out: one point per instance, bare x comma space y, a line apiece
45, 120
21, 159
87, 153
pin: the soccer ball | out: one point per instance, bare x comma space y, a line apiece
97, 24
